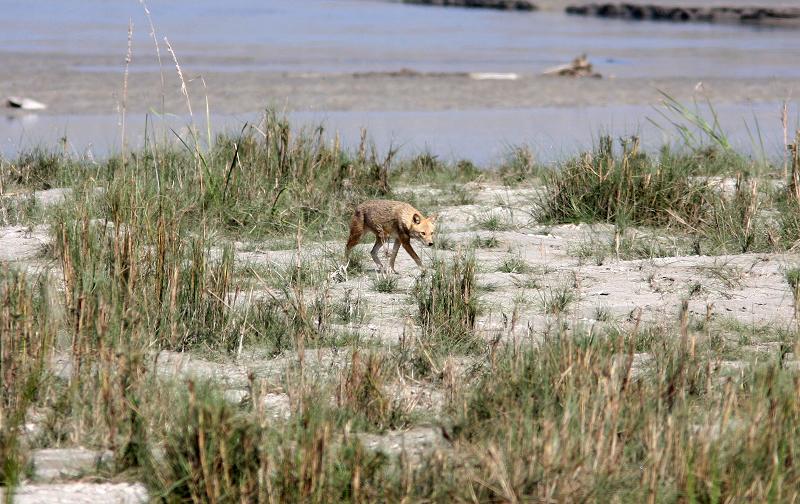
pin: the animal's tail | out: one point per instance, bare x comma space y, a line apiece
356, 230
358, 218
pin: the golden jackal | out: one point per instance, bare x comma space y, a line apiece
386, 218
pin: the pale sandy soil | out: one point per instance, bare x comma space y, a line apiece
80, 493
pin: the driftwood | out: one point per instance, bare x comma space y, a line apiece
409, 73
579, 67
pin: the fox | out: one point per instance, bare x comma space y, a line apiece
390, 219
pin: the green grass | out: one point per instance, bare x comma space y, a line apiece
519, 166
447, 306
632, 189
489, 242
514, 264
673, 191
429, 168
27, 334
542, 392
493, 222
556, 301
603, 314
385, 284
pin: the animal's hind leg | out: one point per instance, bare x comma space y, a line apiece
374, 253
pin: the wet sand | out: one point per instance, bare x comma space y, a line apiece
231, 92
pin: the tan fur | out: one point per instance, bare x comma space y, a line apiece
390, 219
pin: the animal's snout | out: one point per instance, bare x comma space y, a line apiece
430, 243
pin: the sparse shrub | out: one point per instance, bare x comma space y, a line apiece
386, 284
695, 289
493, 222
351, 308
27, 335
514, 264
735, 224
434, 170
362, 391
603, 314
793, 278
632, 244
518, 166
447, 304
461, 195
486, 243
213, 454
632, 190
556, 301
20, 209
444, 242
358, 259
590, 250
38, 169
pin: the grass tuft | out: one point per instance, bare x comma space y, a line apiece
385, 284
447, 304
631, 189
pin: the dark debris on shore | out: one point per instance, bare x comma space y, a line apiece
789, 16
520, 5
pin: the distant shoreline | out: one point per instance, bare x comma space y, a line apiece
756, 12
756, 15
520, 5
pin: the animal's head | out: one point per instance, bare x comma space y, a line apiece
422, 228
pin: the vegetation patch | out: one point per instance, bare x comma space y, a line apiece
447, 305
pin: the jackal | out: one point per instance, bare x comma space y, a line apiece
386, 219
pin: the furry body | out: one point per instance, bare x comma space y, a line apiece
390, 219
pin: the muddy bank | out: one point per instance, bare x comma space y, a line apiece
561, 5
235, 92
777, 16
521, 5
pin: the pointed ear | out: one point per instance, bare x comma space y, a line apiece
416, 219
433, 218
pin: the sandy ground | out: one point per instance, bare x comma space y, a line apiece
240, 92
746, 293
80, 493
747, 287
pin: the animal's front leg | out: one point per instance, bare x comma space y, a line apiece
394, 255
407, 245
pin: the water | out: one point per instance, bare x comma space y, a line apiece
345, 36
361, 35
484, 136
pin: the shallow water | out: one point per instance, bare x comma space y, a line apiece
483, 136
